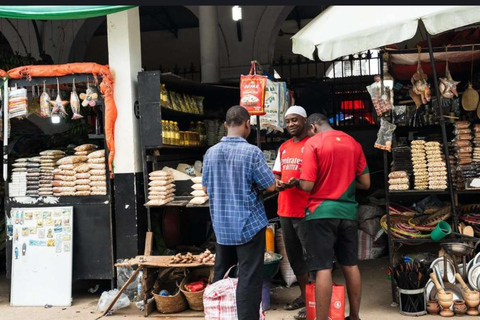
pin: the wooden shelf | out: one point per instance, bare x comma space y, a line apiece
183, 201
417, 192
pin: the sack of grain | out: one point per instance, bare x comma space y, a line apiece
69, 172
197, 186
160, 173
198, 193
98, 172
97, 154
79, 182
85, 175
98, 193
158, 202
82, 193
82, 153
96, 160
97, 166
198, 200
66, 167
72, 160
197, 180
97, 178
98, 183
52, 153
158, 183
82, 188
83, 168
86, 147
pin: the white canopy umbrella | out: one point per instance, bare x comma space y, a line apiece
344, 30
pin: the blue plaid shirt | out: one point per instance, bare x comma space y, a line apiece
233, 170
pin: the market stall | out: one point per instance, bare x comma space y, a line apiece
441, 134
73, 172
179, 121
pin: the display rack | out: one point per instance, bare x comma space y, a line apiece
93, 250
417, 194
217, 99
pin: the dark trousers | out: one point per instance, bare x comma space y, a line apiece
250, 258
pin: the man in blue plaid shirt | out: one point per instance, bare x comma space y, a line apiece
234, 172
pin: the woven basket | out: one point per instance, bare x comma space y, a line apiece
195, 299
171, 304
428, 222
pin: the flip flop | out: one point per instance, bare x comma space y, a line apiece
302, 314
296, 304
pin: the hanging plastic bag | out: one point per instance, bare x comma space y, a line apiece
381, 102
17, 103
385, 135
400, 115
252, 92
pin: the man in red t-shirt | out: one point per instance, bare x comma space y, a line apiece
292, 200
334, 166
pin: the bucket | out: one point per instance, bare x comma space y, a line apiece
442, 230
412, 302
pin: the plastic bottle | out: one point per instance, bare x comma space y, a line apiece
163, 132
177, 134
168, 133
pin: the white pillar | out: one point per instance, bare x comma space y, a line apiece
209, 49
125, 61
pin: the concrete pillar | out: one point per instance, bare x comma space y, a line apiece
124, 55
209, 49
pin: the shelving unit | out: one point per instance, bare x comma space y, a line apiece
416, 195
93, 249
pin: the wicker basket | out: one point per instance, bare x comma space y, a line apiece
170, 304
195, 299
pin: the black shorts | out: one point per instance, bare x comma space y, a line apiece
327, 238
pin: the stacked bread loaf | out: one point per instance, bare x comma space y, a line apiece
463, 152
437, 169
476, 143
48, 163
97, 173
161, 188
419, 162
199, 196
398, 180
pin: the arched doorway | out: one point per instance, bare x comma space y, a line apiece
170, 41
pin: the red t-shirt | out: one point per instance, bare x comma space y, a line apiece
333, 159
292, 201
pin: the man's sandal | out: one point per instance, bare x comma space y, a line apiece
302, 314
296, 304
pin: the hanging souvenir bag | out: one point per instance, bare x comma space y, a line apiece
252, 91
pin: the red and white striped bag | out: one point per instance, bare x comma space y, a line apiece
220, 300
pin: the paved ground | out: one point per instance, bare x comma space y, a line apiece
376, 300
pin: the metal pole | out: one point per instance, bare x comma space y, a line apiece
444, 133
391, 247
5, 131
259, 142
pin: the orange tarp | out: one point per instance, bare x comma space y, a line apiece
106, 88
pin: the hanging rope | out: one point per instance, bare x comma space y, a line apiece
471, 71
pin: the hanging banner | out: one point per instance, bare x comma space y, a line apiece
252, 92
